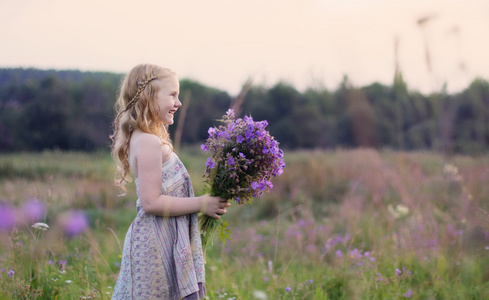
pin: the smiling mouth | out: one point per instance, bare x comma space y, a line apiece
172, 112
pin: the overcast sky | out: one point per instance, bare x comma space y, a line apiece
221, 43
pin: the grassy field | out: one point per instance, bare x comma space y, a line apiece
345, 224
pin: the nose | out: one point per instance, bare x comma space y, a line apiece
178, 103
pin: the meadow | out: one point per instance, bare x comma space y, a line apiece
339, 224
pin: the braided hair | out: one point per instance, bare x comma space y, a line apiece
137, 108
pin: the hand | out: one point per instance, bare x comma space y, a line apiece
214, 207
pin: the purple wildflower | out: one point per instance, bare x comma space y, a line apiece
408, 294
204, 147
248, 120
224, 134
231, 161
339, 254
7, 219
209, 163
288, 289
249, 134
398, 272
310, 281
62, 264
265, 150
239, 139
76, 224
266, 279
230, 113
11, 273
212, 131
33, 210
261, 134
254, 185
242, 155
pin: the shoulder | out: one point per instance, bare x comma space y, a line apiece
143, 140
149, 145
145, 145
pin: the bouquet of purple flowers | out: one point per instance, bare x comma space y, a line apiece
244, 159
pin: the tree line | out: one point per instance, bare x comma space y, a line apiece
73, 110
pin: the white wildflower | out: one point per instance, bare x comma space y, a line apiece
451, 172
40, 226
260, 295
68, 281
398, 211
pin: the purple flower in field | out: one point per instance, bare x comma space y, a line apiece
242, 155
204, 147
212, 131
261, 186
248, 120
209, 163
11, 273
231, 161
224, 134
372, 258
33, 210
266, 279
354, 253
231, 126
62, 264
339, 254
265, 150
249, 135
288, 289
261, 125
230, 113
269, 184
254, 185
408, 294
75, 224
398, 272
239, 139
7, 219
310, 281
366, 254
261, 134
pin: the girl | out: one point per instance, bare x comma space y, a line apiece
162, 256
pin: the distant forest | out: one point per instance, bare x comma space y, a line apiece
73, 110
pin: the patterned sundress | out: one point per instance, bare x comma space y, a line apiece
162, 256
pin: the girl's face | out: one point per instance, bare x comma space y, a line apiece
167, 99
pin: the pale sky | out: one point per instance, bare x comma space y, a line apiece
221, 43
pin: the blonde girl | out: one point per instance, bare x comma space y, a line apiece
162, 256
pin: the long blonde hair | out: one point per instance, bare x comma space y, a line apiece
137, 108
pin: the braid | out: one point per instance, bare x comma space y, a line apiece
141, 87
134, 99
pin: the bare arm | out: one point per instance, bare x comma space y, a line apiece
149, 160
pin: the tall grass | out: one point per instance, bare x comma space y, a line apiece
345, 224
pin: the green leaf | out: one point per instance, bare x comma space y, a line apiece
224, 232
